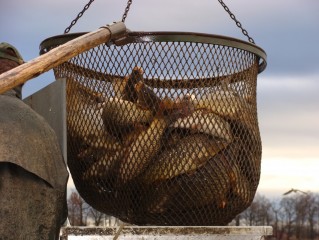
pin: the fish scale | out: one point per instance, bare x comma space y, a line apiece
186, 156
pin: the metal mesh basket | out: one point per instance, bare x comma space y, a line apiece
162, 126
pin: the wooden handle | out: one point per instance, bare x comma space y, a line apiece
59, 55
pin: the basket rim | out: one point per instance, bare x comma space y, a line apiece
139, 36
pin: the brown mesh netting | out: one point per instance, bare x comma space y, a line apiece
163, 129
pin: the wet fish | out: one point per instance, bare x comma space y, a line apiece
210, 184
142, 150
182, 106
146, 97
84, 114
225, 103
241, 189
206, 122
119, 116
102, 167
104, 140
118, 85
160, 198
186, 156
248, 144
125, 88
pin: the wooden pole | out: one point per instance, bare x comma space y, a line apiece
59, 55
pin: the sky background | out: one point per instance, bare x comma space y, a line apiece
287, 91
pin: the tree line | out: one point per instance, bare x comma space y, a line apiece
294, 216
81, 213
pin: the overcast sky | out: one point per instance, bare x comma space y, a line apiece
288, 90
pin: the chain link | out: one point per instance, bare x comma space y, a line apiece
129, 2
237, 22
86, 7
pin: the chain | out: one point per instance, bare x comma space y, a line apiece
129, 2
86, 7
237, 22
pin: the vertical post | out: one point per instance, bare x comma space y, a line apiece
53, 109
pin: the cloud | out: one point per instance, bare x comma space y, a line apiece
288, 116
281, 174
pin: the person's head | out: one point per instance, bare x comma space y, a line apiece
9, 59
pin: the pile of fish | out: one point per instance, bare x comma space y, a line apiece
147, 156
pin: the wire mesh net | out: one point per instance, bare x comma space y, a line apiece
164, 131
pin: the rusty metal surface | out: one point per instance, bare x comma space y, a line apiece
167, 233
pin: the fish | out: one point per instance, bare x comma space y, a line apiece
241, 189
206, 122
125, 88
118, 85
248, 145
226, 103
186, 156
102, 167
209, 185
146, 97
159, 198
105, 141
120, 116
174, 109
142, 150
147, 143
84, 114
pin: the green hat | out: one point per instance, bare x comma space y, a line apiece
7, 54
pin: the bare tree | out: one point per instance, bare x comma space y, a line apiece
312, 211
259, 212
288, 214
77, 208
301, 206
96, 216
295, 216
265, 215
278, 221
305, 207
